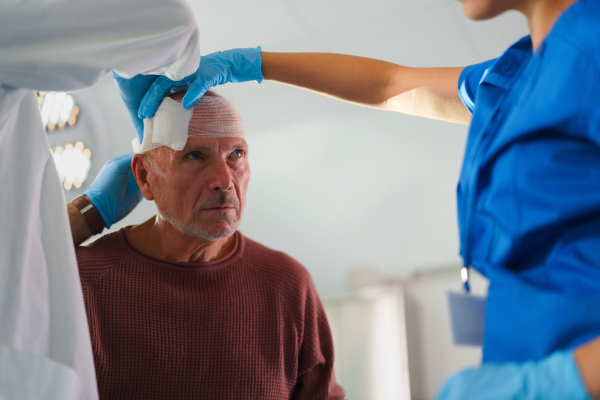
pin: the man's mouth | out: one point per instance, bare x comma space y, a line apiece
220, 203
220, 208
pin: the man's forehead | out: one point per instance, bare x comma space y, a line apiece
211, 117
214, 144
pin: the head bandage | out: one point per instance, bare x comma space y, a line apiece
211, 117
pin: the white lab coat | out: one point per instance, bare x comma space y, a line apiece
45, 348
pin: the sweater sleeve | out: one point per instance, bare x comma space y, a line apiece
316, 378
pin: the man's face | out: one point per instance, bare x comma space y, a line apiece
484, 9
201, 190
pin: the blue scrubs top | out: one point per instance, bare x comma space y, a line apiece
529, 190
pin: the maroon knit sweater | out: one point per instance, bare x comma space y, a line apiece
250, 326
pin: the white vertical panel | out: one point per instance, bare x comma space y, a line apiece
432, 355
370, 343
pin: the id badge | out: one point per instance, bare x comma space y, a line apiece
467, 318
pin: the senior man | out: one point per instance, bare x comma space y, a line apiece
185, 306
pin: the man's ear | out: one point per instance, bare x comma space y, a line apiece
139, 166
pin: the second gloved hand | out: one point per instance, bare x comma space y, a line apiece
237, 65
115, 192
555, 377
132, 91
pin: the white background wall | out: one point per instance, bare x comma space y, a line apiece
335, 185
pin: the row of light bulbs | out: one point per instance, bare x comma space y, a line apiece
58, 110
73, 160
73, 163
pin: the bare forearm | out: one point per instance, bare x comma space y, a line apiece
587, 357
425, 92
79, 228
355, 79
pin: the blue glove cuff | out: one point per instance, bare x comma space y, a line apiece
115, 193
101, 206
555, 377
254, 67
244, 64
562, 377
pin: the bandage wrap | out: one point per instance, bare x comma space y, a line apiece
212, 117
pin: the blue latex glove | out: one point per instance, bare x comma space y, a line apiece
115, 192
554, 377
132, 91
237, 65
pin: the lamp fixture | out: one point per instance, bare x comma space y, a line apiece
58, 110
73, 162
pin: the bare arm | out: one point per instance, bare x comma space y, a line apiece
425, 92
79, 228
587, 357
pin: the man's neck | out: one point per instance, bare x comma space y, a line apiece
541, 16
160, 239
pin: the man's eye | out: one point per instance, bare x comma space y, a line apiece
194, 155
237, 153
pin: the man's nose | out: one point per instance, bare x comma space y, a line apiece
222, 177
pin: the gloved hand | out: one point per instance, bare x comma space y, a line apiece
115, 192
132, 91
554, 377
237, 65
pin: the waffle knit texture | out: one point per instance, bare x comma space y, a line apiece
249, 326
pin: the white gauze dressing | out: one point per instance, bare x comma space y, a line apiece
212, 117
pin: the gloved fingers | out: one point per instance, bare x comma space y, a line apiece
155, 94
122, 164
153, 97
136, 81
206, 78
129, 199
134, 192
194, 93
132, 90
119, 79
116, 166
115, 191
138, 124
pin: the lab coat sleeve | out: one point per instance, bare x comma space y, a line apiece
66, 45
45, 347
